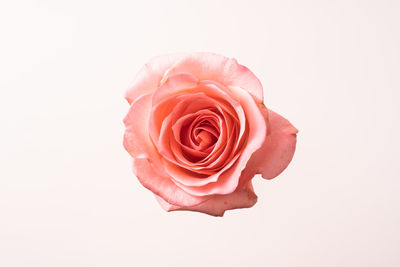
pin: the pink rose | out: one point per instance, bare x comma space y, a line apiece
198, 132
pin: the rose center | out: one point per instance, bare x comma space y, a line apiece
204, 135
205, 139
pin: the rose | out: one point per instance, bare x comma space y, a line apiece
198, 132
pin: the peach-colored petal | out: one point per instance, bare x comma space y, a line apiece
186, 178
173, 84
136, 138
279, 147
147, 162
277, 151
152, 177
217, 205
149, 77
227, 71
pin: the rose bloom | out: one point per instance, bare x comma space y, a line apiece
198, 132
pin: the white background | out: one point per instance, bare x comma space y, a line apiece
67, 193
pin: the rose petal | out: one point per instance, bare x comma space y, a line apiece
149, 77
227, 71
151, 176
217, 205
277, 151
136, 138
173, 84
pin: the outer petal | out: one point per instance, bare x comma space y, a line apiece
147, 163
227, 71
149, 77
174, 84
277, 151
217, 205
136, 138
152, 177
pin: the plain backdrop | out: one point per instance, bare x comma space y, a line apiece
68, 196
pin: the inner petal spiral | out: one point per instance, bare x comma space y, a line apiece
199, 132
205, 135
